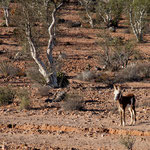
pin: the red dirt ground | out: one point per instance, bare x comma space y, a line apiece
49, 126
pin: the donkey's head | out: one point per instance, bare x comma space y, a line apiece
117, 92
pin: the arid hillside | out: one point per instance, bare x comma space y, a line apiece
50, 124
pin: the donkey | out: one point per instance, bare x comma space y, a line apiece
123, 102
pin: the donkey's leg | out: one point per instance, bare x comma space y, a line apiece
120, 117
123, 114
131, 112
134, 113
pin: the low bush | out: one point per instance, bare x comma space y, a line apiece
134, 72
73, 102
86, 75
7, 69
128, 142
6, 95
107, 78
116, 52
23, 95
43, 90
62, 79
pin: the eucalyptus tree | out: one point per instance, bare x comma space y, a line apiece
110, 11
37, 18
89, 5
138, 11
5, 6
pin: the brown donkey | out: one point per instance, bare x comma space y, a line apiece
123, 102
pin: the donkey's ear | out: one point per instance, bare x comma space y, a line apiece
115, 87
119, 87
123, 90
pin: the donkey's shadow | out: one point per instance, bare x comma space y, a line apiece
144, 123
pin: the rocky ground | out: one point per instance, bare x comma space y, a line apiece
47, 125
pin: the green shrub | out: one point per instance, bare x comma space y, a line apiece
62, 79
23, 95
6, 95
73, 102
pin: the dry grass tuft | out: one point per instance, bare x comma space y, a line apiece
73, 102
86, 75
23, 95
128, 142
7, 69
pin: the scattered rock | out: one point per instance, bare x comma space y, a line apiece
62, 56
75, 24
2, 52
18, 56
68, 43
59, 96
61, 21
98, 68
89, 57
48, 100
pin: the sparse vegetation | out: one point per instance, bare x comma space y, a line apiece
128, 142
116, 52
73, 102
134, 72
6, 95
67, 109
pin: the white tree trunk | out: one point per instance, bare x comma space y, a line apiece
6, 15
85, 3
42, 67
137, 23
51, 31
90, 18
